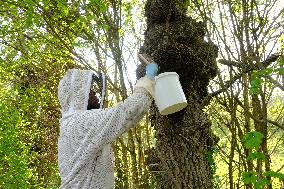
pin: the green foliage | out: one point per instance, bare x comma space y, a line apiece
278, 175
210, 158
32, 59
249, 177
256, 156
280, 67
252, 139
261, 183
28, 129
99, 4
257, 80
256, 83
252, 178
15, 156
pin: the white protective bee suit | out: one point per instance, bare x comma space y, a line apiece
85, 155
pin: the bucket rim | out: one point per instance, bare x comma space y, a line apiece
165, 74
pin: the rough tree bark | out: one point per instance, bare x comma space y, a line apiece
184, 141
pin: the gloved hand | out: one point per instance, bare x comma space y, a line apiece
151, 70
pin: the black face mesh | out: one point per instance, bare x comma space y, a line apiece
99, 86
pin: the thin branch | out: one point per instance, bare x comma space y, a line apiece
280, 168
248, 69
275, 82
281, 126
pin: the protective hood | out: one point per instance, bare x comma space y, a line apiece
74, 89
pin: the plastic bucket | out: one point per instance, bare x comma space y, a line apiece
169, 96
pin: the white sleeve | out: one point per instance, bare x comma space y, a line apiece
115, 121
128, 113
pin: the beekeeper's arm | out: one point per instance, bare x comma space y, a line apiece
102, 128
128, 113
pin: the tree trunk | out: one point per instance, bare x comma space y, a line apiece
184, 141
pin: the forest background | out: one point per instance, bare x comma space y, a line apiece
41, 39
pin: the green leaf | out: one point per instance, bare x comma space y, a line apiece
249, 177
102, 7
256, 155
266, 71
255, 84
280, 71
252, 139
281, 61
30, 12
274, 174
63, 7
261, 183
29, 20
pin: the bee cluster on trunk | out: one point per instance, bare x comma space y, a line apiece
176, 42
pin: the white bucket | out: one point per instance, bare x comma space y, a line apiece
169, 96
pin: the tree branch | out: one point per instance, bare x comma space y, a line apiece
281, 126
247, 69
275, 82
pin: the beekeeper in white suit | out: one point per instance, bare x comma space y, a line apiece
85, 155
